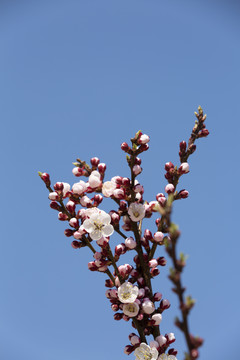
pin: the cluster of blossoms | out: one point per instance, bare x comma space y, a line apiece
130, 286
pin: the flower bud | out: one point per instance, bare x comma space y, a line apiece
77, 171
161, 340
109, 283
55, 206
169, 165
45, 177
137, 169
118, 316
153, 263
183, 194
169, 188
172, 351
62, 216
92, 266
95, 161
157, 296
183, 146
58, 186
74, 223
102, 168
71, 206
135, 340
158, 237
53, 196
76, 244
128, 349
184, 168
119, 193
155, 272
170, 338
125, 147
161, 261
148, 307
130, 243
164, 304
68, 232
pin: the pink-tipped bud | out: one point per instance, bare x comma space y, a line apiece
76, 244
141, 293
157, 296
45, 177
183, 146
128, 349
115, 307
109, 283
130, 243
172, 351
95, 161
162, 261
170, 338
68, 232
148, 307
155, 272
153, 263
122, 205
58, 186
74, 223
165, 304
144, 147
118, 316
102, 168
55, 206
71, 206
134, 273
203, 133
53, 196
161, 340
169, 188
184, 168
135, 340
183, 194
137, 169
115, 218
144, 139
120, 249
77, 171
119, 193
140, 317
62, 216
92, 266
85, 201
125, 147
157, 318
97, 199
169, 165
126, 181
148, 234
158, 237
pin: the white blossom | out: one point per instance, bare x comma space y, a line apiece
145, 352
127, 293
66, 188
131, 309
79, 187
108, 188
136, 211
98, 224
94, 179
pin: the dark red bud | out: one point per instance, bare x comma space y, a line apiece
125, 147
76, 244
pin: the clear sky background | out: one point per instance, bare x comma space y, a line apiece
77, 79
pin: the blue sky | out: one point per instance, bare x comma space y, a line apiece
77, 79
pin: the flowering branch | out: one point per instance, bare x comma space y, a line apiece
130, 288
